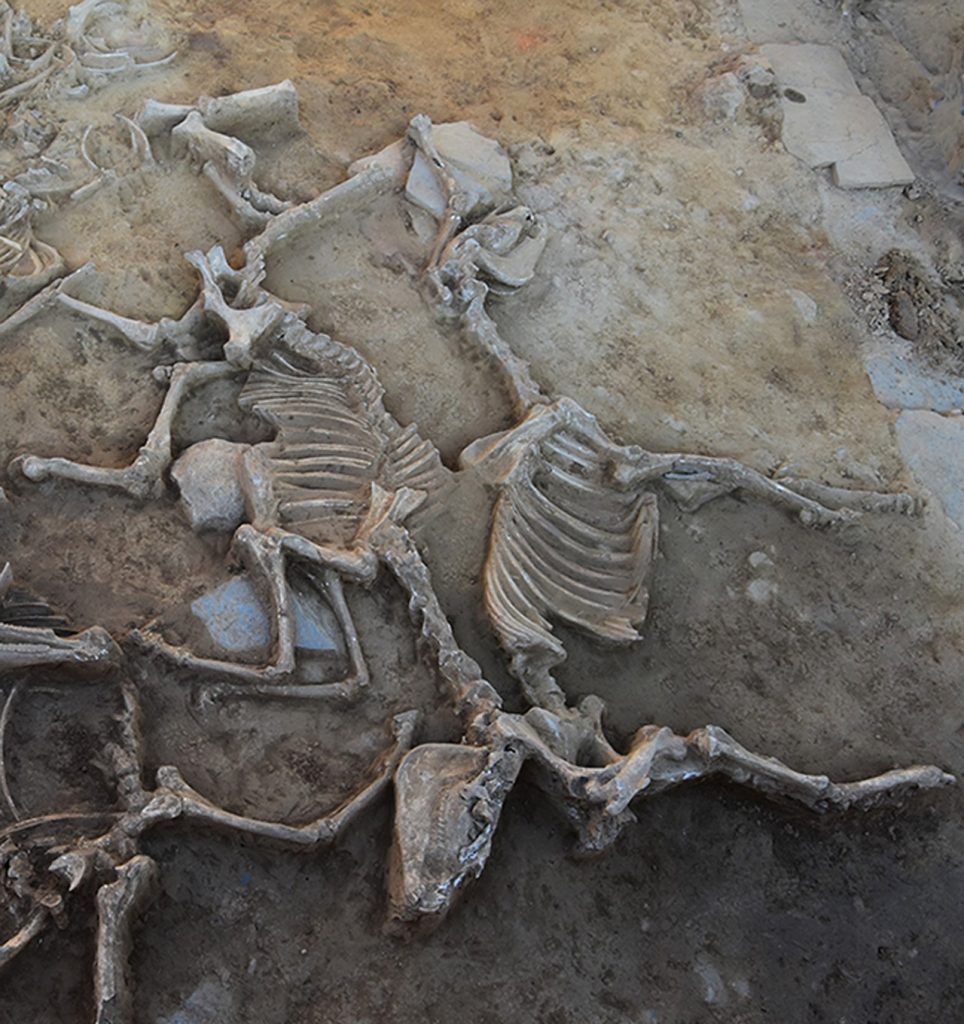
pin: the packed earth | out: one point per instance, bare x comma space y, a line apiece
432, 433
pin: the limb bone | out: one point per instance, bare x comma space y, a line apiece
176, 799
117, 904
144, 476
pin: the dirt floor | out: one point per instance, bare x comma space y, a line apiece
702, 291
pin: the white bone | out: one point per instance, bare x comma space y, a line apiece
230, 155
271, 111
159, 118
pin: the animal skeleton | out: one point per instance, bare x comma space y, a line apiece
572, 540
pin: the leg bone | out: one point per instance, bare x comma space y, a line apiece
726, 475
144, 476
18, 943
177, 799
117, 904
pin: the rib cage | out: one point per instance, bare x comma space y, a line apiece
566, 545
334, 436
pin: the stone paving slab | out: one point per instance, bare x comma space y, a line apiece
828, 122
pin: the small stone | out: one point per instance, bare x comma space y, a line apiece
761, 591
714, 990
722, 96
759, 559
806, 307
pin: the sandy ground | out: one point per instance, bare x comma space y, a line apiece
669, 303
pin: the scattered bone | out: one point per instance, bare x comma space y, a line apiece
99, 60
74, 56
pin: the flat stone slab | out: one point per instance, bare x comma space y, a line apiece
933, 449
787, 21
479, 165
236, 620
827, 120
902, 382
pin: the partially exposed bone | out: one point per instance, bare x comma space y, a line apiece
204, 145
803, 497
449, 797
250, 216
269, 111
179, 801
25, 647
565, 544
141, 335
504, 246
157, 118
117, 905
19, 942
448, 800
472, 697
246, 326
140, 144
457, 172
900, 502
262, 556
334, 490
93, 53
229, 163
42, 300
353, 194
26, 263
144, 476
659, 759
15, 92
4, 778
